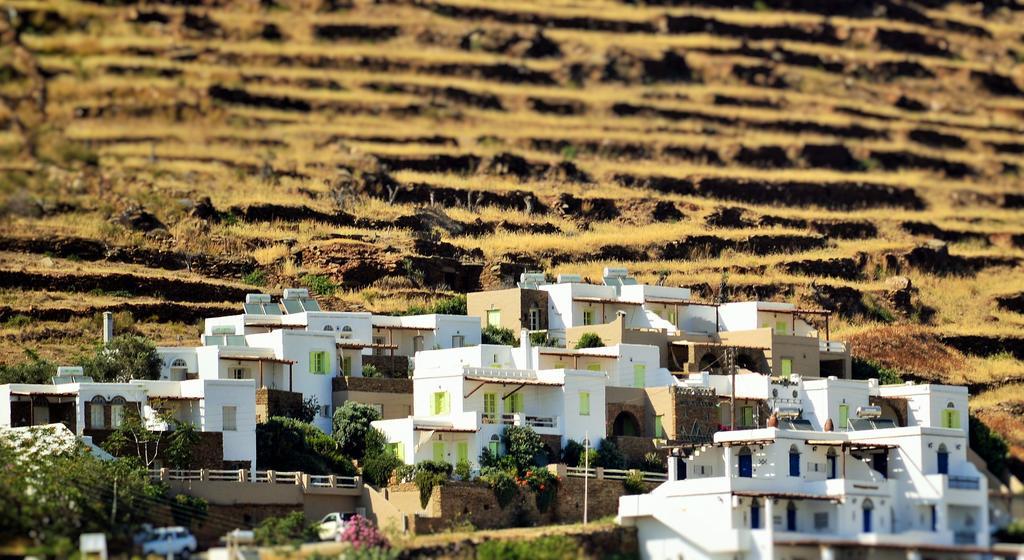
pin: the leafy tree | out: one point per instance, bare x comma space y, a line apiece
522, 444
572, 453
35, 370
181, 443
989, 445
428, 475
589, 340
285, 444
126, 357
498, 335
306, 412
187, 510
609, 456
379, 462
351, 425
133, 438
291, 529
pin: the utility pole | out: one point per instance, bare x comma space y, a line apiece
586, 472
730, 362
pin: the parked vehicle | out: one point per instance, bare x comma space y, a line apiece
170, 541
333, 525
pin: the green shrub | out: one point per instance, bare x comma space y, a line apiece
455, 305
188, 510
522, 444
370, 553
589, 340
989, 445
370, 370
502, 482
544, 485
1013, 533
463, 470
868, 369
609, 456
634, 483
428, 475
351, 426
286, 444
126, 357
291, 529
653, 462
319, 284
256, 278
35, 370
572, 453
552, 547
498, 335
541, 339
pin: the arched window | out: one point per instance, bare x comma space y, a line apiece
868, 509
950, 416
117, 411
179, 363
328, 328
794, 461
97, 412
746, 463
942, 458
791, 516
755, 514
493, 445
346, 331
830, 463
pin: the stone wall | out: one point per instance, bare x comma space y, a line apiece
372, 384
634, 448
389, 366
638, 411
207, 454
274, 402
696, 414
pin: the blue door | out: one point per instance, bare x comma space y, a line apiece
755, 515
831, 466
680, 468
794, 464
791, 517
880, 462
943, 458
746, 466
867, 520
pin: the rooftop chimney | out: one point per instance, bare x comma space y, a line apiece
108, 327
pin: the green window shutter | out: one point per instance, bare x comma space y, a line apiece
400, 451
588, 317
446, 403
437, 405
844, 416
584, 404
494, 318
659, 426
786, 366
560, 365
747, 416
594, 367
780, 327
346, 365
490, 404
462, 451
313, 357
493, 446
954, 418
639, 375
518, 401
513, 403
439, 451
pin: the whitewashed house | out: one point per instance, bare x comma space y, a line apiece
226, 406
292, 345
845, 467
463, 398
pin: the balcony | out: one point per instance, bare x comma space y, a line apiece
541, 424
964, 482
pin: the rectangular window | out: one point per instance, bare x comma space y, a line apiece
229, 418
116, 415
639, 375
780, 327
494, 318
318, 362
588, 317
584, 403
398, 450
493, 446
458, 341
96, 420
594, 367
327, 410
535, 319
513, 403
844, 416
659, 426
950, 418
237, 373
747, 417
490, 405
786, 367
441, 404
462, 451
439, 454
379, 342
821, 520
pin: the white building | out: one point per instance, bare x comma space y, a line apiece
834, 475
295, 346
88, 408
463, 399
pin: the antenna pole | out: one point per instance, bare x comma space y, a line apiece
730, 358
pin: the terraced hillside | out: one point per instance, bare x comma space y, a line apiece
162, 158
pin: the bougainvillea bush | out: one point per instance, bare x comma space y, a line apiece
360, 532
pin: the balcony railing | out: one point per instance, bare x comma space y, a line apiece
965, 537
244, 476
964, 482
832, 346
503, 373
519, 419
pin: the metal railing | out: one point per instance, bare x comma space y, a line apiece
832, 346
965, 482
503, 373
244, 476
520, 419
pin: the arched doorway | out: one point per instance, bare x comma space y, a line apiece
943, 459
868, 509
625, 424
709, 362
746, 466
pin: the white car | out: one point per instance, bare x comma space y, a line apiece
333, 525
170, 541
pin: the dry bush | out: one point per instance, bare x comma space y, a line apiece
912, 351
